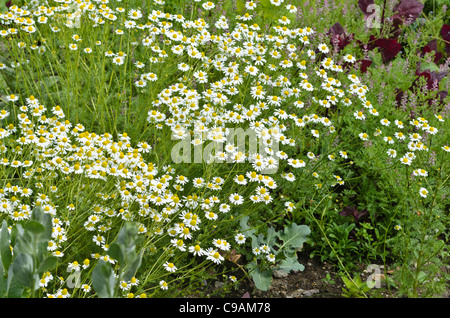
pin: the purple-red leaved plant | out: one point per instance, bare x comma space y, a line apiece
339, 39
445, 32
354, 212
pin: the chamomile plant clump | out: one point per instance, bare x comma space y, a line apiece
117, 113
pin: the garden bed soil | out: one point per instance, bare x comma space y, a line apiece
318, 280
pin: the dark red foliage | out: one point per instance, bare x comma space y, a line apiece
407, 10
396, 28
404, 11
399, 95
445, 32
363, 5
371, 44
9, 3
389, 48
432, 77
442, 95
338, 36
353, 211
364, 65
432, 83
430, 47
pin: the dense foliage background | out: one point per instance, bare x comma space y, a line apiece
95, 93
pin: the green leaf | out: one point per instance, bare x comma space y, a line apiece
48, 263
103, 280
290, 264
262, 279
5, 250
3, 282
127, 234
131, 269
246, 229
45, 220
294, 236
271, 236
421, 278
34, 227
115, 251
429, 66
23, 271
14, 289
124, 250
3, 7
23, 241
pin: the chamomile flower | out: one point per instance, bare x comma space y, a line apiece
163, 285
170, 267
210, 215
224, 208
197, 250
98, 240
349, 58
198, 182
392, 153
140, 83
315, 133
423, 192
118, 60
359, 115
201, 76
399, 123
74, 266
271, 257
12, 97
385, 122
406, 160
399, 135
236, 199
240, 238
343, 154
323, 48
432, 130
208, 5
439, 117
58, 254
240, 179
179, 244
86, 263
214, 256
388, 139
364, 136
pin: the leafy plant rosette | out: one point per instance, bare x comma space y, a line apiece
194, 195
